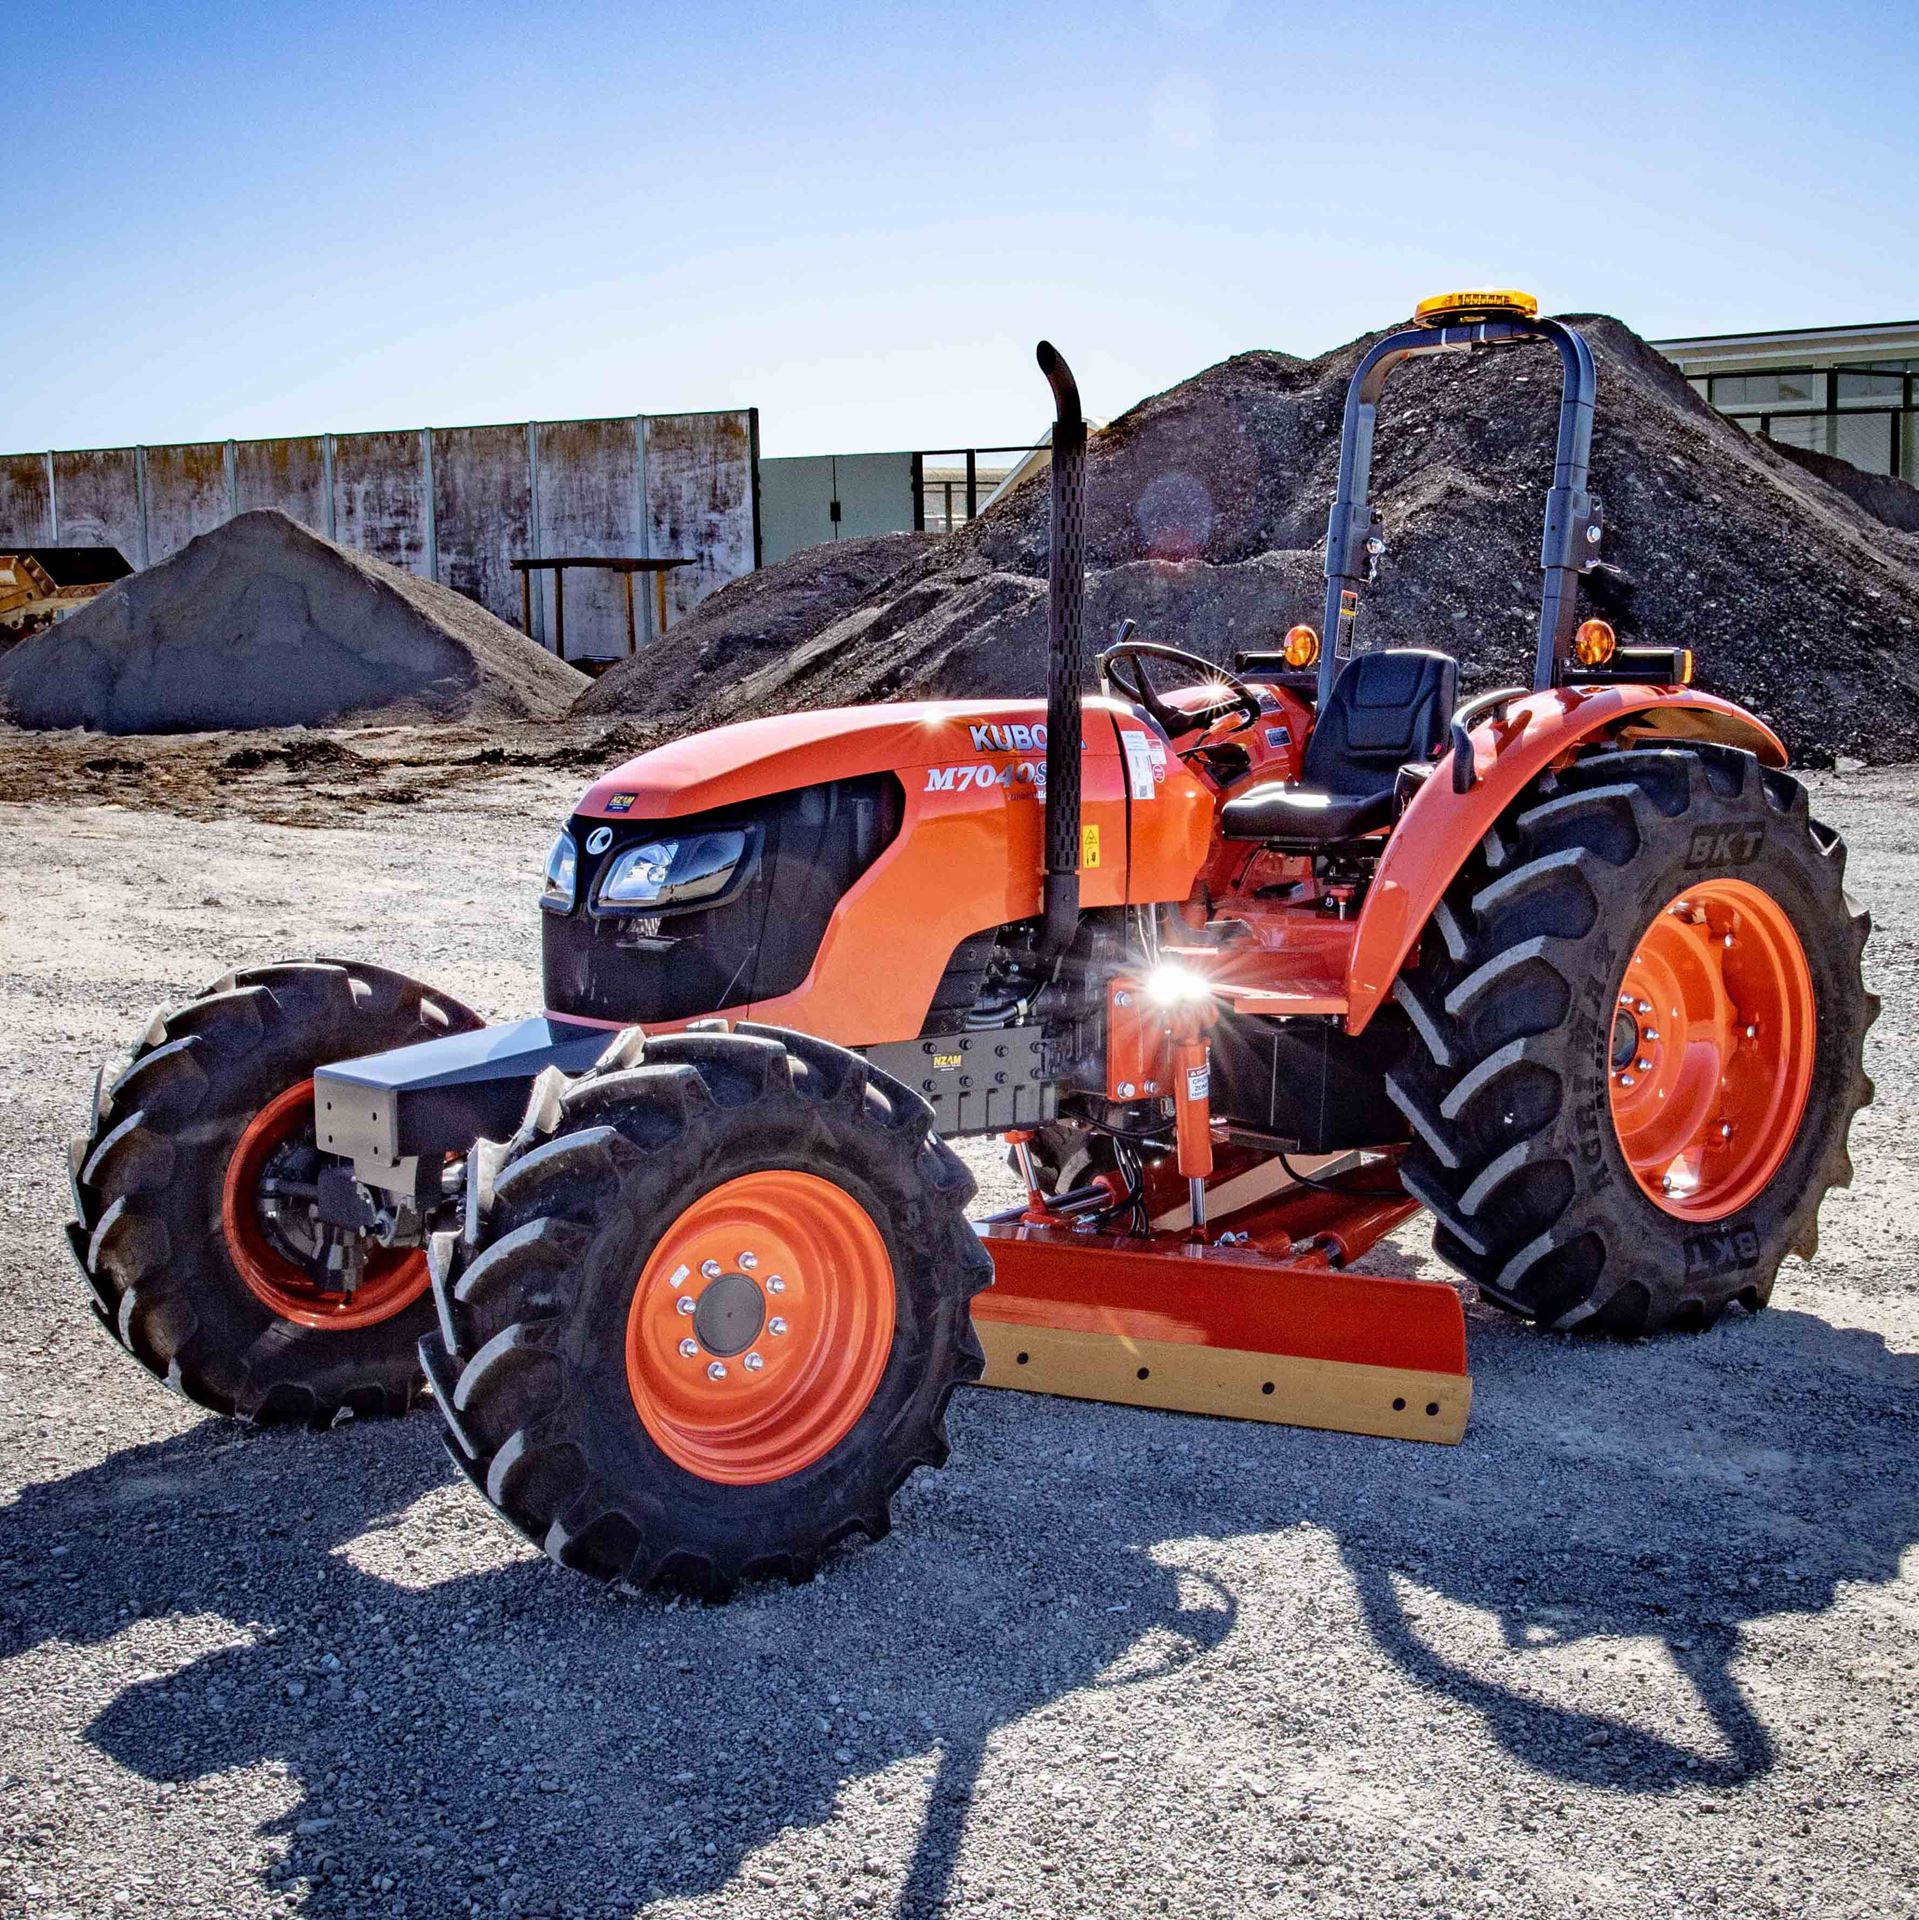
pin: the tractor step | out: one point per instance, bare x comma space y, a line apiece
1240, 1331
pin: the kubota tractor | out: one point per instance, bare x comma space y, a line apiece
1247, 971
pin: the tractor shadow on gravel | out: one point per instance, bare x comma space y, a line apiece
458, 1721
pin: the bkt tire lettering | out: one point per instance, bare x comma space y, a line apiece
1724, 846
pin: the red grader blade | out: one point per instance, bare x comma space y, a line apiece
1263, 1322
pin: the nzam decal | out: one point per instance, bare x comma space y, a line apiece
1724, 1250
990, 736
1724, 846
621, 803
1022, 777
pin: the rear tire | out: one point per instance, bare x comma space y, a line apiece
149, 1180
564, 1416
1510, 1080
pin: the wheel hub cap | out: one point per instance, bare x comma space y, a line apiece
1711, 1049
760, 1327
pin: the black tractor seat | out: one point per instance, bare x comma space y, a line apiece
1387, 710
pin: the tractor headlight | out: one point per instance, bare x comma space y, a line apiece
673, 873
562, 875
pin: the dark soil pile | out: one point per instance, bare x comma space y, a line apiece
262, 623
1208, 510
756, 620
1882, 496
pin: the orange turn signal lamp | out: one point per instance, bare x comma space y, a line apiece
1593, 644
1301, 646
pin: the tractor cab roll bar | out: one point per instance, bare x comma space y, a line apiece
1462, 323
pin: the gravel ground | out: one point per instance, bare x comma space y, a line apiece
1648, 1643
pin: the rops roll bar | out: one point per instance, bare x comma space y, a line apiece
1570, 544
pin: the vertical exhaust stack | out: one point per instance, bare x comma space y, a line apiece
1065, 656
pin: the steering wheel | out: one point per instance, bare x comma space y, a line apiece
1124, 665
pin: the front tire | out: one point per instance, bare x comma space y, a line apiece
708, 1311
1638, 1028
167, 1225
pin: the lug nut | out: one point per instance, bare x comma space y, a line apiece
1649, 1033
689, 1349
1644, 1066
716, 1370
1626, 1080
748, 1261
776, 1325
711, 1268
752, 1363
1642, 1006
684, 1303
774, 1284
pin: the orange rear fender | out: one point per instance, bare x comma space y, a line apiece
1440, 828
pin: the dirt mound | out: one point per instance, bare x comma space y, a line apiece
1207, 510
262, 623
1883, 496
757, 619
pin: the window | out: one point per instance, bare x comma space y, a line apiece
1802, 388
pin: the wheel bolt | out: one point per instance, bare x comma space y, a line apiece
1625, 999
711, 1268
716, 1370
774, 1284
689, 1349
1649, 1033
1727, 941
1642, 1006
1626, 1080
748, 1261
1644, 1066
1752, 1033
1725, 1130
752, 1363
684, 1303
776, 1325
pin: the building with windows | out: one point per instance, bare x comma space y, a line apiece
1852, 392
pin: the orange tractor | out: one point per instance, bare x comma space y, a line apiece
1246, 968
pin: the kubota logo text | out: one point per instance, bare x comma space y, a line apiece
990, 736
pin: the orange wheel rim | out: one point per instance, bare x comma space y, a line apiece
395, 1277
1711, 1049
760, 1327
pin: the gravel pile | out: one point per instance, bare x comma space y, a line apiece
262, 623
1646, 1645
1208, 510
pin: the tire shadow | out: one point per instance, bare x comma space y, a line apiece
509, 1734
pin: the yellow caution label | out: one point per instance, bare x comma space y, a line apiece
1089, 846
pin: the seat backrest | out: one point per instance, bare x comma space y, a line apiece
1387, 708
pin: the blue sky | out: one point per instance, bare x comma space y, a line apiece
234, 220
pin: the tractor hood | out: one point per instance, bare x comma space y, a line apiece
752, 758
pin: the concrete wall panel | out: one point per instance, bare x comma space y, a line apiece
699, 499
289, 475
589, 496
379, 497
186, 495
26, 506
99, 496
483, 508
